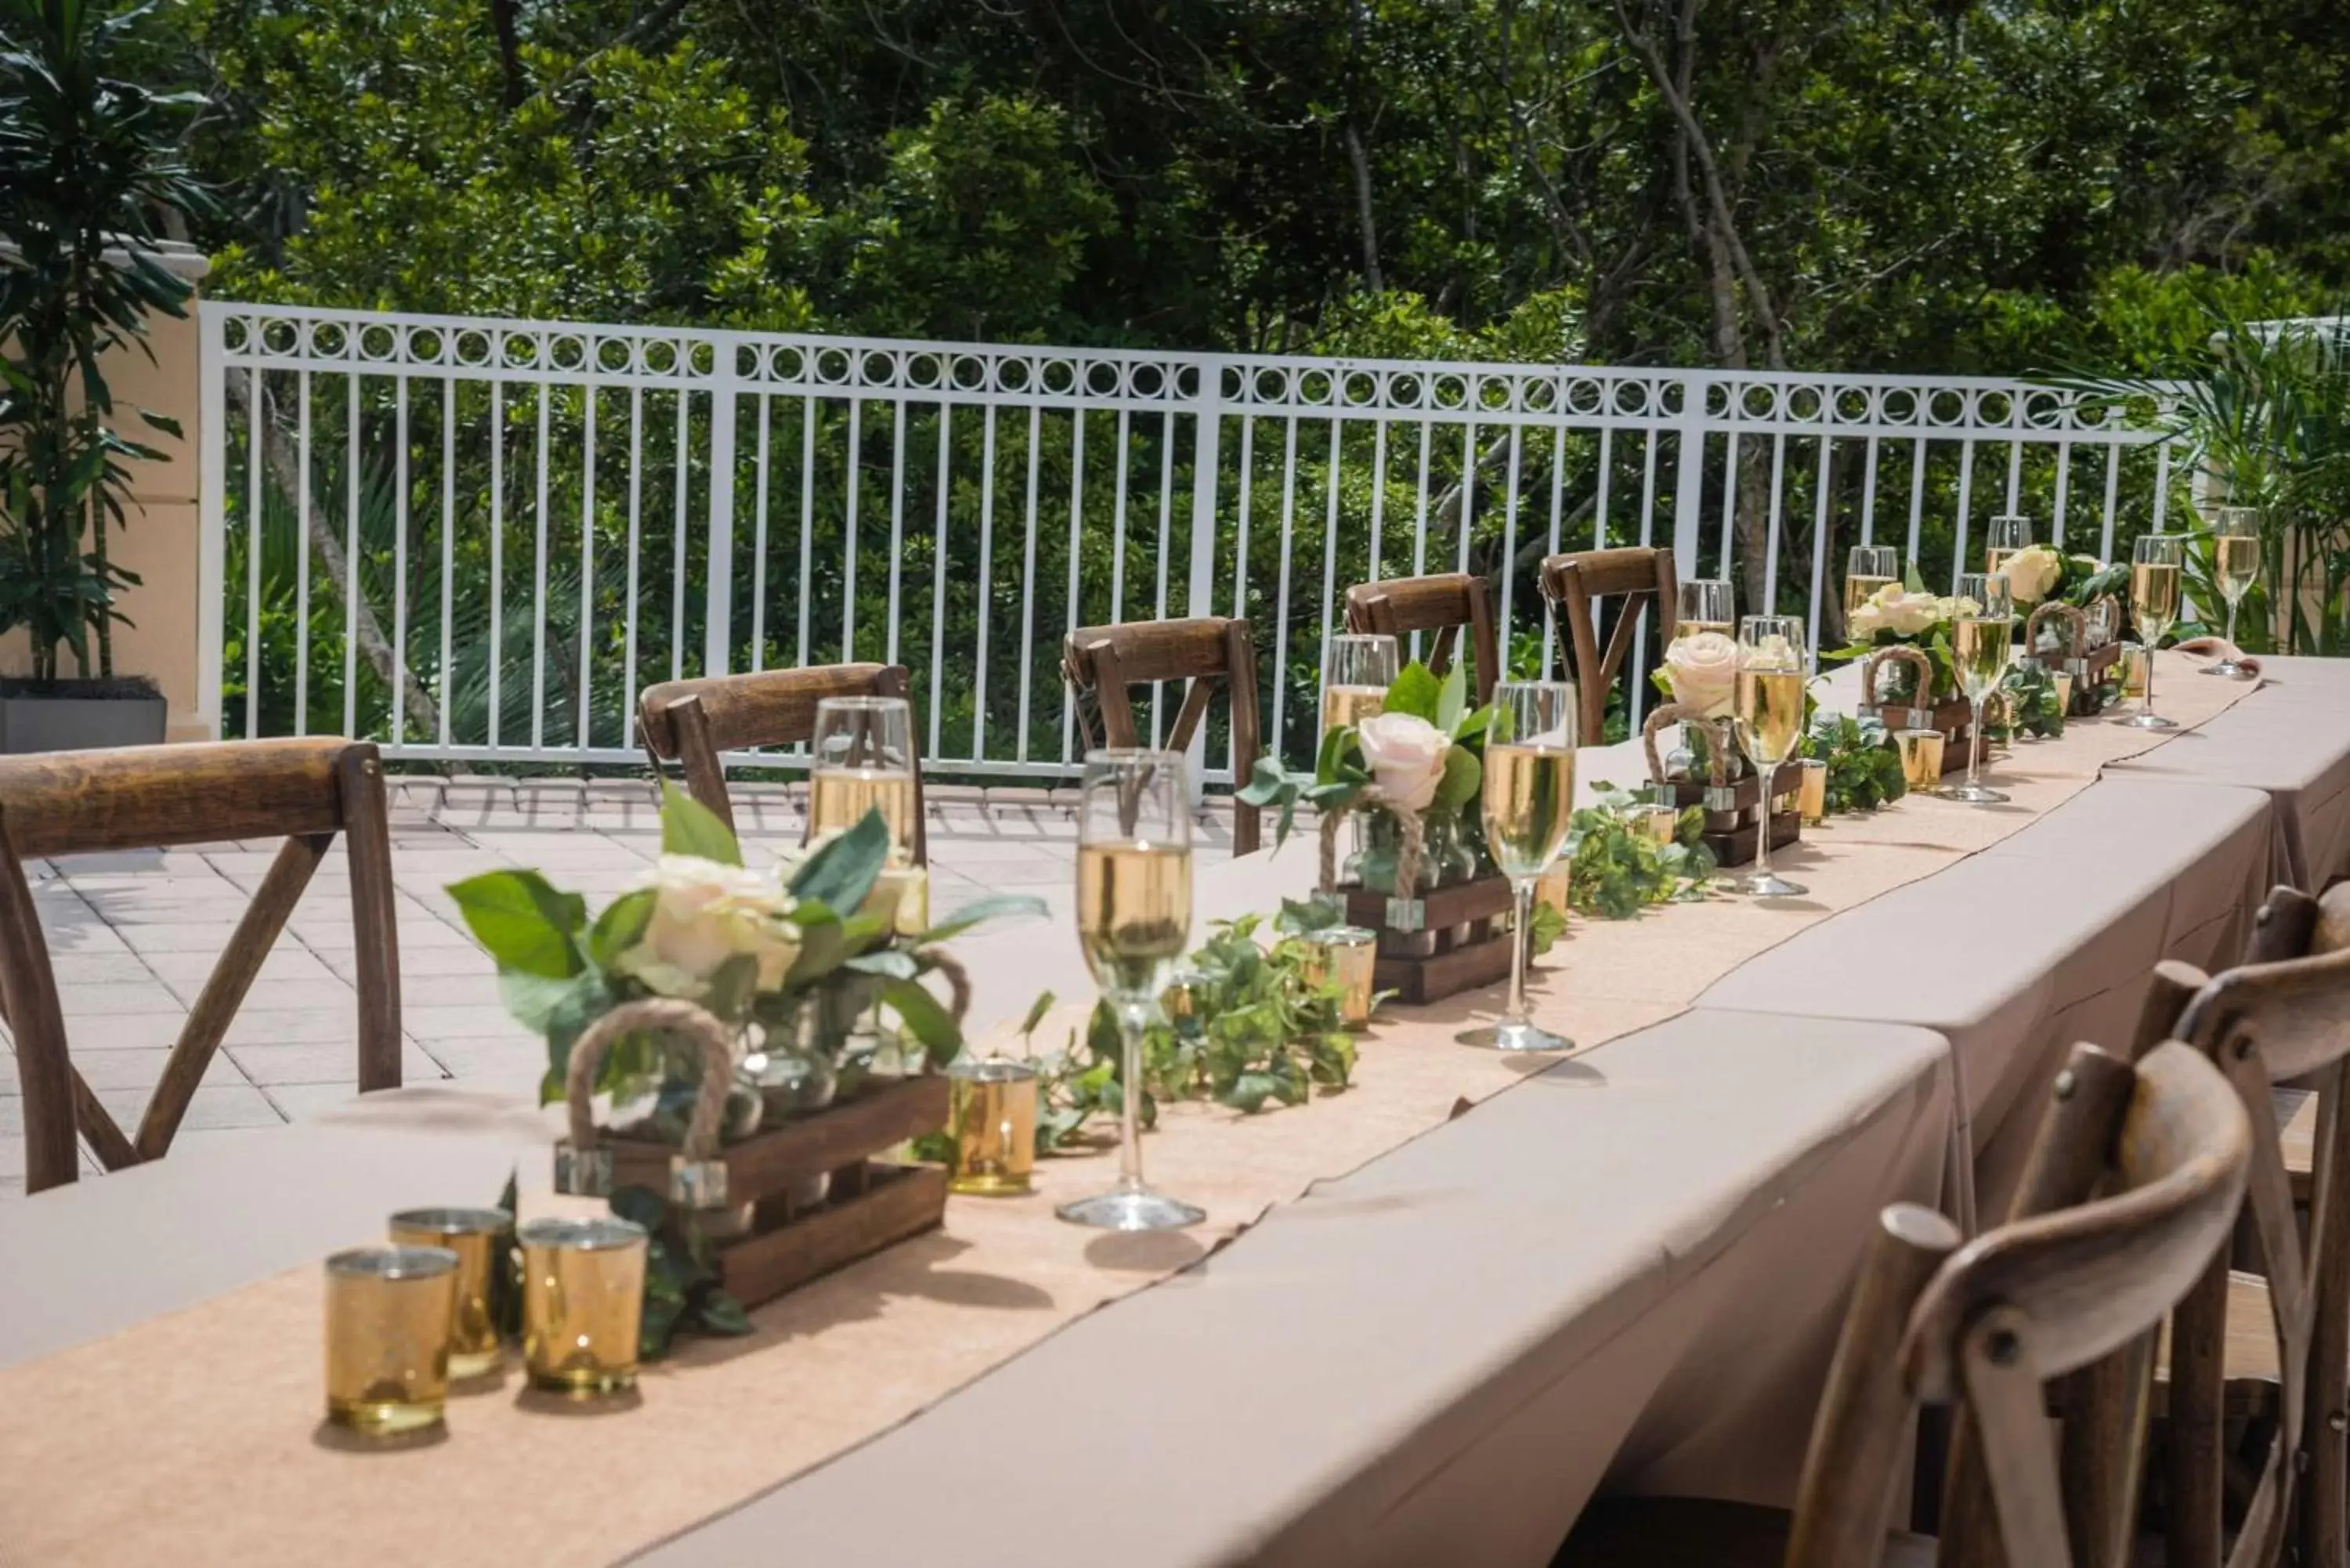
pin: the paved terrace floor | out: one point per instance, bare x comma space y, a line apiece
133, 934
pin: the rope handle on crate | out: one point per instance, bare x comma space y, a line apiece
1408, 852
2075, 621
660, 1015
1922, 701
1718, 753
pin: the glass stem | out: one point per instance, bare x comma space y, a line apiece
1763, 839
2145, 698
1132, 1017
2232, 631
1523, 889
1974, 743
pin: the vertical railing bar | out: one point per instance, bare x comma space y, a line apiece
255, 409
449, 551
1281, 621
851, 477
765, 404
986, 569
301, 559
1468, 482
1868, 495
897, 517
351, 558
1378, 489
677, 546
636, 509
1330, 534
1729, 502
807, 523
2064, 493
1166, 510
1241, 550
399, 719
587, 731
1966, 505
1819, 551
1599, 502
1510, 538
1770, 604
718, 613
1028, 580
1076, 559
1117, 518
939, 576
1635, 702
1557, 518
1420, 514
1917, 500
212, 517
2015, 459
538, 571
2161, 519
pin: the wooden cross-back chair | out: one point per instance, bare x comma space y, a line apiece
1571, 582
157, 797
1445, 605
1102, 664
1983, 1326
2273, 1344
692, 723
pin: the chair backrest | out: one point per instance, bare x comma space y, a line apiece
1103, 662
1984, 1325
1445, 604
153, 797
2281, 1016
1573, 582
691, 723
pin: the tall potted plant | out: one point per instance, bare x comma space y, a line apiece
90, 161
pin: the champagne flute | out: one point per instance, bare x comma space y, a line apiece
2010, 531
1134, 921
863, 750
2236, 561
1980, 641
1701, 604
1868, 568
1769, 713
1357, 670
1529, 793
2155, 562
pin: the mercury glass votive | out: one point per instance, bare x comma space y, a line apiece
1922, 758
991, 1112
2063, 679
475, 1236
583, 1288
1345, 956
388, 1315
1661, 818
1555, 886
2133, 671
1812, 792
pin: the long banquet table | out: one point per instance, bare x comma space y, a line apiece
1416, 1336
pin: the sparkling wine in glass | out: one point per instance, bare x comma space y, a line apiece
1529, 796
1979, 648
1868, 568
1701, 604
1357, 670
2009, 533
863, 751
1134, 921
2236, 562
1768, 712
2155, 564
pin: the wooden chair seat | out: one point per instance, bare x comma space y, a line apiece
1701, 1533
1102, 664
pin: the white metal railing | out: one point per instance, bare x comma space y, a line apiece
475, 539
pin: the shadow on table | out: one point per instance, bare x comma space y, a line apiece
1144, 1252
546, 1402
342, 1439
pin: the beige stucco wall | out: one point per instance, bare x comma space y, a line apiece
159, 537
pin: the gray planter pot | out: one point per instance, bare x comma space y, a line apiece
62, 722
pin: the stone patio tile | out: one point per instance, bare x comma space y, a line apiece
139, 1069
512, 1065
477, 989
415, 963
178, 936
229, 1106
88, 999
318, 1063
123, 1031
297, 1026
300, 1102
185, 972
460, 1021
96, 969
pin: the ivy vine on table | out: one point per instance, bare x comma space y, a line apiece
1863, 765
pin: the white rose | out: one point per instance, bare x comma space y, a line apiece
1770, 653
1865, 622
1703, 671
1904, 613
2030, 573
704, 914
1406, 754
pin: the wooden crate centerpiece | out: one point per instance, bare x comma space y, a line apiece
2090, 668
1732, 804
1952, 717
1433, 942
783, 1204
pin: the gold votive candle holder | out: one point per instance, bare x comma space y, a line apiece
1812, 793
1555, 886
1662, 817
1921, 757
991, 1112
583, 1290
387, 1315
2133, 671
1346, 957
1179, 1002
477, 1237
2063, 679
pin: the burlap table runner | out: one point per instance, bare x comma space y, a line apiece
194, 1438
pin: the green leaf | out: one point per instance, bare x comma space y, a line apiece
717, 1313
1268, 783
842, 872
690, 828
891, 963
995, 907
922, 1013
731, 986
620, 927
522, 921
1464, 776
1452, 696
1036, 1010
1415, 691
